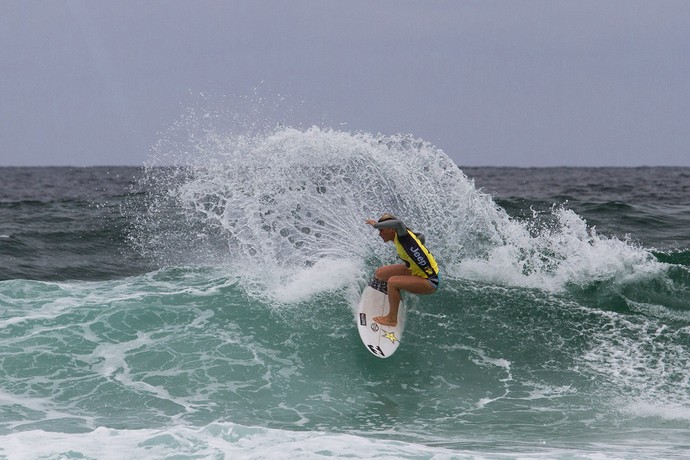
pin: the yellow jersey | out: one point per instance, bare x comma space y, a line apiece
416, 256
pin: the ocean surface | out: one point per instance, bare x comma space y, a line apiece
201, 306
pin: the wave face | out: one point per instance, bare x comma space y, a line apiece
203, 306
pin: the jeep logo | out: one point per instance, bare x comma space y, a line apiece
419, 257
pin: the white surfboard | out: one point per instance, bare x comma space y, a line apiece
380, 340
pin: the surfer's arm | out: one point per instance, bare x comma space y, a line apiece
397, 224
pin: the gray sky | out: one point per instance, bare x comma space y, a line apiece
500, 83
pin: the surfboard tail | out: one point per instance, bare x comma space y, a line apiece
379, 285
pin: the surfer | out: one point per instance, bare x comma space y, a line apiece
418, 275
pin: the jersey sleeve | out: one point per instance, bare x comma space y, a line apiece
397, 224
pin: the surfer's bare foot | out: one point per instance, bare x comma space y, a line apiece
386, 321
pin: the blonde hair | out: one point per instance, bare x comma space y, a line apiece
386, 217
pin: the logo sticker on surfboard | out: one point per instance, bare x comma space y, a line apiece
390, 336
362, 319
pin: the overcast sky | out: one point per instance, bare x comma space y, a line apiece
498, 83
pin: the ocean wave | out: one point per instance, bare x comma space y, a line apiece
155, 360
280, 201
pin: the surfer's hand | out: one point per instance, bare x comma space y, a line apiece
371, 222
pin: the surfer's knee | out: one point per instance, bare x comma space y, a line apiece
396, 282
385, 272
380, 274
388, 271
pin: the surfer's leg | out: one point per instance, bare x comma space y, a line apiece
393, 305
385, 272
409, 283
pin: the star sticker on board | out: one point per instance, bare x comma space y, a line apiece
390, 336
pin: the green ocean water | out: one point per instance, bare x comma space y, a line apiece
205, 309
